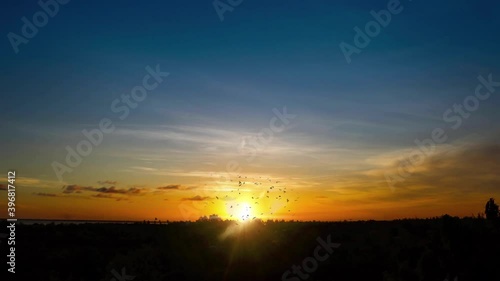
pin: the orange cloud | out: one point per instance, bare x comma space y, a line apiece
45, 194
107, 182
197, 198
176, 187
77, 188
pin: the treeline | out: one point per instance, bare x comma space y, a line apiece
413, 249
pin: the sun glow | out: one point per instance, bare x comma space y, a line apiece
244, 212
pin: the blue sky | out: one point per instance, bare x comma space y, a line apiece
227, 76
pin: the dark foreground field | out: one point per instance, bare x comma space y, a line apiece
433, 249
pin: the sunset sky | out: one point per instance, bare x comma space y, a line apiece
180, 152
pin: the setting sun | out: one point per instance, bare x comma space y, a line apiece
241, 211
245, 212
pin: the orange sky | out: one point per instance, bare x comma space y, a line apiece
455, 181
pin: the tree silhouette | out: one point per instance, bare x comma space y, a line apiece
491, 209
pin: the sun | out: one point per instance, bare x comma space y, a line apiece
244, 212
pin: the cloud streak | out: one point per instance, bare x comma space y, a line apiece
43, 194
176, 187
110, 190
197, 198
107, 182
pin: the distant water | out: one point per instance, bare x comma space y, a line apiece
44, 222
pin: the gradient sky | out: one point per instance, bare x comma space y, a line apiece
354, 121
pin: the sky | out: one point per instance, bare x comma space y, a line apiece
401, 123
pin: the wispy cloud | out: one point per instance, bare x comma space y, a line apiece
43, 194
176, 187
36, 182
170, 187
454, 175
110, 190
109, 196
191, 134
107, 182
197, 198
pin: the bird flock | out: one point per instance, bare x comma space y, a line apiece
251, 198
